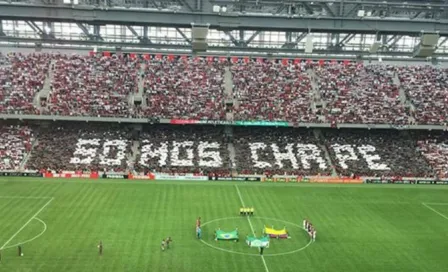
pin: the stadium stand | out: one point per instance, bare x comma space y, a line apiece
193, 88
427, 88
278, 151
185, 88
354, 93
375, 153
179, 150
92, 86
15, 142
81, 147
205, 150
434, 147
272, 91
21, 78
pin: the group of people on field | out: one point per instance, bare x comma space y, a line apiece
309, 228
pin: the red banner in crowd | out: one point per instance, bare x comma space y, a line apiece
181, 121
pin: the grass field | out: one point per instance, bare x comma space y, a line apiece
360, 227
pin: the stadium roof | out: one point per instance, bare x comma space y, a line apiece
346, 28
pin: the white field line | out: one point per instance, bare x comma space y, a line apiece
32, 239
440, 204
251, 226
434, 210
26, 224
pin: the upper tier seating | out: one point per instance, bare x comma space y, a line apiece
427, 88
21, 78
92, 86
272, 91
185, 89
360, 94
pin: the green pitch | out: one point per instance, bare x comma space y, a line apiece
359, 228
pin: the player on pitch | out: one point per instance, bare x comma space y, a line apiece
100, 248
163, 245
199, 232
168, 241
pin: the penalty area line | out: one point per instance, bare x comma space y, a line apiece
26, 224
434, 210
251, 226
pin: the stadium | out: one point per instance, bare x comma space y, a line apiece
223, 135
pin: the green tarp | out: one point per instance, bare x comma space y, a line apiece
253, 241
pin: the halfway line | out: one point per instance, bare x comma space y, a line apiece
251, 227
26, 224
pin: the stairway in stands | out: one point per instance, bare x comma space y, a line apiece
44, 93
28, 155
228, 92
140, 95
316, 98
319, 137
132, 156
407, 103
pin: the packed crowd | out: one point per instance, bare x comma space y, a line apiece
427, 88
186, 149
278, 151
74, 147
15, 143
375, 153
434, 147
272, 91
21, 78
195, 88
355, 93
185, 89
92, 86
205, 150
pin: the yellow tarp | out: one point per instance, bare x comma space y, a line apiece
274, 231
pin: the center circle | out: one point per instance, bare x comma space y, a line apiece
253, 254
